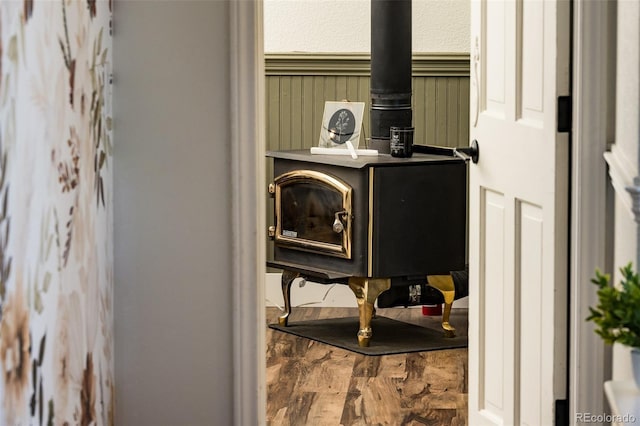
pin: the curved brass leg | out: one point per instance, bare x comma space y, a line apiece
287, 279
367, 291
444, 284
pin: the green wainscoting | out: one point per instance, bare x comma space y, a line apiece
298, 84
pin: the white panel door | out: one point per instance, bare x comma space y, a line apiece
518, 211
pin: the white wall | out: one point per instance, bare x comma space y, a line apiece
623, 159
344, 26
624, 252
173, 342
307, 293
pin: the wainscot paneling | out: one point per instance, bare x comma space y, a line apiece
298, 84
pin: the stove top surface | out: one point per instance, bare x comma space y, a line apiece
363, 161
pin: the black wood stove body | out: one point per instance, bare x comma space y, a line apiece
372, 223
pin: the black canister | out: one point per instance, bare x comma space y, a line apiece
401, 141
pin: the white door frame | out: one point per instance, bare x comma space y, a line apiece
588, 212
248, 227
587, 359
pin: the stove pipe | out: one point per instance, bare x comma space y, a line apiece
390, 69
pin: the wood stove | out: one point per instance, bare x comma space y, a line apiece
373, 223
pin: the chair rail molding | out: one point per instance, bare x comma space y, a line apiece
359, 64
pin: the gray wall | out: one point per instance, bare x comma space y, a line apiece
173, 342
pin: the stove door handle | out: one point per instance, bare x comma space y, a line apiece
338, 226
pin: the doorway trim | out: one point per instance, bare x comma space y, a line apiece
588, 240
248, 226
588, 210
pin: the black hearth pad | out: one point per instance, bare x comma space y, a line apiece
389, 336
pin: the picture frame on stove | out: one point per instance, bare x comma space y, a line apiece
341, 124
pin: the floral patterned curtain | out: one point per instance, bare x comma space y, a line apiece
56, 213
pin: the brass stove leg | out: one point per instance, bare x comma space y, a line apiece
287, 280
367, 291
444, 284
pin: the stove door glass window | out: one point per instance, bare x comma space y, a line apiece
313, 213
308, 212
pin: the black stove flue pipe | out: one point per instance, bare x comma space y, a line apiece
390, 69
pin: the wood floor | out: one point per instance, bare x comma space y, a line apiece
310, 383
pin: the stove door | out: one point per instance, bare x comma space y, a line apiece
313, 212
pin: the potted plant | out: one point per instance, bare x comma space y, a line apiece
617, 316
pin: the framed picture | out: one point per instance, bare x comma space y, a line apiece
341, 123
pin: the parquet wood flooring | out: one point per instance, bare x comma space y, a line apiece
310, 383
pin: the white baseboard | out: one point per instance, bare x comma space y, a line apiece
318, 295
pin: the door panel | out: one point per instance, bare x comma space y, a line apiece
529, 311
518, 212
491, 315
494, 67
531, 61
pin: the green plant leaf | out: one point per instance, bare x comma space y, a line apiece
617, 315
